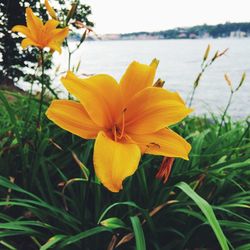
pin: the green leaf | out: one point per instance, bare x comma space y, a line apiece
83, 235
7, 245
8, 184
126, 203
207, 211
52, 241
139, 235
10, 113
244, 247
197, 145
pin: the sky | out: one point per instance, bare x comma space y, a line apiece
122, 16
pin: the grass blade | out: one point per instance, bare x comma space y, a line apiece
52, 241
207, 211
83, 235
139, 235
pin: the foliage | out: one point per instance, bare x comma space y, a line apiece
50, 198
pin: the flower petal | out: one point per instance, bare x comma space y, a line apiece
137, 77
59, 35
153, 109
51, 25
55, 46
34, 23
114, 161
72, 117
100, 95
28, 42
22, 29
164, 142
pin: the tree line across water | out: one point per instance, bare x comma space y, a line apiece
199, 31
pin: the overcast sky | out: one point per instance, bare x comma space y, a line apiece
121, 16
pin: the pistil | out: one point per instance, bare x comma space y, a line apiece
123, 125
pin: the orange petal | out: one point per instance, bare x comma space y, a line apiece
72, 117
53, 45
114, 161
164, 142
50, 25
53, 37
137, 77
28, 42
59, 35
99, 94
50, 10
153, 109
34, 23
22, 29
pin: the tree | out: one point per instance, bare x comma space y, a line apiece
11, 58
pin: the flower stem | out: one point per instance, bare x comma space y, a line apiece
69, 60
225, 112
192, 97
42, 92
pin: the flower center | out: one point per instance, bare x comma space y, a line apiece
118, 131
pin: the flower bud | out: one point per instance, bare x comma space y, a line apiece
165, 169
50, 10
229, 82
241, 81
71, 12
206, 53
159, 83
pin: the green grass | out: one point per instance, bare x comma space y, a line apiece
50, 198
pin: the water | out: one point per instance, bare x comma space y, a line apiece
179, 65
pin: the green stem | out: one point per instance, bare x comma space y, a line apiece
69, 66
69, 60
192, 97
203, 69
42, 92
225, 112
29, 102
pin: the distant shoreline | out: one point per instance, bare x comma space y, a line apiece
226, 30
169, 39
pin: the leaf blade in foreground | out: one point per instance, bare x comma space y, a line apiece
207, 211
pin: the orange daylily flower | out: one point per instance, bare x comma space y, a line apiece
127, 120
39, 34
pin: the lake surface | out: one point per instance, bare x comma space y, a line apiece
180, 62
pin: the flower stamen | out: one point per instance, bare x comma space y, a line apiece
123, 125
114, 133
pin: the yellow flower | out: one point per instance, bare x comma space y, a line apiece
127, 120
39, 34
